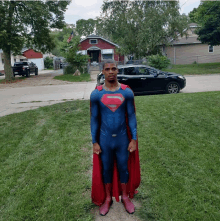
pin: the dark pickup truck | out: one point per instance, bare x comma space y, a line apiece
24, 68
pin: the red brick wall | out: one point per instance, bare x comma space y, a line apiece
30, 53
84, 45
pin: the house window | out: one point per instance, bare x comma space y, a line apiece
93, 41
107, 56
130, 71
211, 49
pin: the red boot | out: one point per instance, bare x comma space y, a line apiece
129, 206
104, 208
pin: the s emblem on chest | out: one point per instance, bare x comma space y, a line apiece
112, 101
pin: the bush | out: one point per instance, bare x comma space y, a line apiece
69, 69
158, 61
48, 62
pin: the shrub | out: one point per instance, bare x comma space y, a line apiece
70, 52
158, 61
48, 62
69, 69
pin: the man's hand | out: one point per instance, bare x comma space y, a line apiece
96, 148
132, 146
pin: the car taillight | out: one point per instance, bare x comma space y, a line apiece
23, 68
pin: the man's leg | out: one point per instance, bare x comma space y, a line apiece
104, 208
107, 167
122, 155
129, 206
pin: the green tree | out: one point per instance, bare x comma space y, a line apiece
59, 36
207, 16
86, 27
28, 23
70, 52
140, 26
48, 62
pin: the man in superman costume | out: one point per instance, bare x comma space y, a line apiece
116, 168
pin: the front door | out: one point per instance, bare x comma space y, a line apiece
94, 56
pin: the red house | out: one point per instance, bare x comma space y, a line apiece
99, 48
36, 57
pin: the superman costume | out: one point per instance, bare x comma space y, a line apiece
113, 125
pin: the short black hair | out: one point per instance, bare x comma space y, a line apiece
108, 61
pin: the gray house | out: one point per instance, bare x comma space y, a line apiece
189, 50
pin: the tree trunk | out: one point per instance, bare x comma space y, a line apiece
7, 47
7, 65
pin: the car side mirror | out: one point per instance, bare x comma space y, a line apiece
156, 74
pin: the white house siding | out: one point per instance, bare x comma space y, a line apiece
39, 62
187, 54
1, 65
13, 59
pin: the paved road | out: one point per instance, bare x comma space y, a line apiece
54, 73
202, 83
15, 100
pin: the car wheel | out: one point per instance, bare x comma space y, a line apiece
36, 71
172, 88
27, 73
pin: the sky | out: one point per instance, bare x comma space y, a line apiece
85, 9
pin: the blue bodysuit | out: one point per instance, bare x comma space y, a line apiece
112, 137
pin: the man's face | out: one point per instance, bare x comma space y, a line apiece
110, 71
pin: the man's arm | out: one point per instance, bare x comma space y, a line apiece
132, 122
95, 121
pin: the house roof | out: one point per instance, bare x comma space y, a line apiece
24, 49
188, 40
96, 36
193, 25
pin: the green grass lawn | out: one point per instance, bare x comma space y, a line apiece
179, 138
45, 163
70, 77
46, 160
195, 69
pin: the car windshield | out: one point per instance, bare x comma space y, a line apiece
142, 71
120, 71
20, 63
153, 71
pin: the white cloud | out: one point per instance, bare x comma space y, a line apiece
85, 9
93, 14
188, 6
85, 3
82, 9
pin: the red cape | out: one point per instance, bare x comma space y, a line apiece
98, 191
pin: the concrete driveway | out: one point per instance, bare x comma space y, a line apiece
18, 99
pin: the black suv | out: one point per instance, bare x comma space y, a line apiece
146, 79
25, 68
